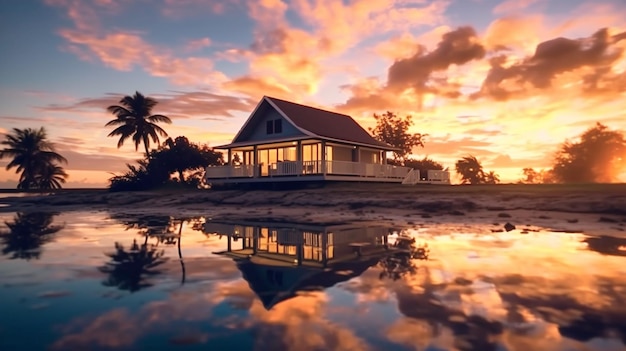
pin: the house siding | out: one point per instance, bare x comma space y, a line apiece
258, 132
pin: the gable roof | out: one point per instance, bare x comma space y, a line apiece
323, 124
309, 278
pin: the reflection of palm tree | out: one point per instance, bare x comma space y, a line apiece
134, 119
32, 155
128, 269
402, 262
27, 233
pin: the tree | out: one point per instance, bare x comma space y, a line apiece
27, 234
34, 157
128, 270
51, 177
179, 156
134, 119
423, 165
470, 170
174, 156
394, 131
491, 178
599, 156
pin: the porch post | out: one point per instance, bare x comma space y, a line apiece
255, 161
229, 246
357, 157
324, 156
299, 252
324, 248
384, 157
255, 240
230, 156
299, 157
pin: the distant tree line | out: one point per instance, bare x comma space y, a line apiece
599, 155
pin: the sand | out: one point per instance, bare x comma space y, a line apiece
594, 209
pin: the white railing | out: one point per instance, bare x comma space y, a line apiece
412, 178
237, 171
295, 168
438, 176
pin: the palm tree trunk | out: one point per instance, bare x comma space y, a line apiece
181, 177
180, 255
147, 151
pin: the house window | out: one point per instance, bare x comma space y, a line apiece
274, 126
269, 127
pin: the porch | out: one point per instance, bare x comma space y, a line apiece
307, 170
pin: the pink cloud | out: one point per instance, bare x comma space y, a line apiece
513, 6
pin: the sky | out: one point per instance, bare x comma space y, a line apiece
506, 81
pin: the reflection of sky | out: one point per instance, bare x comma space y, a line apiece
509, 289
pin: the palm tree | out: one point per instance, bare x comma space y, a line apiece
27, 233
492, 178
134, 119
128, 270
33, 155
470, 170
50, 177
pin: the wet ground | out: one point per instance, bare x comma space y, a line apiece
103, 281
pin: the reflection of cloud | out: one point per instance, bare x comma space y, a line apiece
113, 329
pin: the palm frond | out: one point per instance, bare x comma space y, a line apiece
159, 118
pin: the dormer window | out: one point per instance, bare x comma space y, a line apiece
274, 126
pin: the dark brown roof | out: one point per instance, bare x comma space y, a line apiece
326, 124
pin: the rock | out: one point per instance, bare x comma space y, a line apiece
508, 227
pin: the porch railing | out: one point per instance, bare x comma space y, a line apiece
296, 168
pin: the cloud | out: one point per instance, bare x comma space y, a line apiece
178, 9
176, 104
521, 32
512, 6
253, 86
412, 81
124, 49
456, 47
590, 57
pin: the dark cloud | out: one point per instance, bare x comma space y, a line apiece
270, 42
554, 57
177, 104
424, 72
456, 47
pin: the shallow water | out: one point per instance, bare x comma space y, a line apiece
98, 281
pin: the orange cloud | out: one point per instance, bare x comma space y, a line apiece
514, 32
512, 6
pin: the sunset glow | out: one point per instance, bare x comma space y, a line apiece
504, 80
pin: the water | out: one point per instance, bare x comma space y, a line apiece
66, 285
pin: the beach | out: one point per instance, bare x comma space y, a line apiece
598, 209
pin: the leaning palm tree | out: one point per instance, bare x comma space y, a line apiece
470, 170
50, 177
134, 119
32, 153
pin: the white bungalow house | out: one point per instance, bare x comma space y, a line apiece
284, 141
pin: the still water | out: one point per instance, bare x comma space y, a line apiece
100, 281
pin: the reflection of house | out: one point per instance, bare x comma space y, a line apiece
280, 260
284, 141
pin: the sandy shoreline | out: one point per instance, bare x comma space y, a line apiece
598, 210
